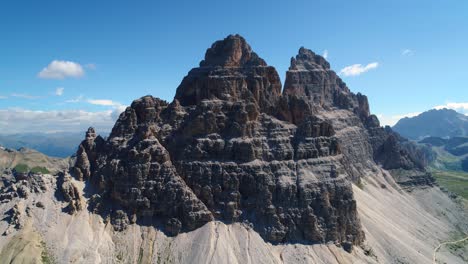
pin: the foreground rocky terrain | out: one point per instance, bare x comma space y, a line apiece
238, 169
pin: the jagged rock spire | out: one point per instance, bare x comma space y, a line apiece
308, 60
233, 51
311, 78
231, 72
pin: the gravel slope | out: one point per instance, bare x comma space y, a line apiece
400, 227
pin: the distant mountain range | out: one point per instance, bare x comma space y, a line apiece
61, 144
436, 123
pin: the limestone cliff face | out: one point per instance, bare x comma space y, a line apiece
310, 77
232, 147
311, 84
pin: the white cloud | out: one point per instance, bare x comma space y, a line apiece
118, 107
91, 66
58, 69
25, 96
59, 91
455, 106
358, 69
325, 54
19, 120
392, 120
3, 97
407, 52
103, 102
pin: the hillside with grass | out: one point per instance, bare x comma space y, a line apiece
450, 168
27, 160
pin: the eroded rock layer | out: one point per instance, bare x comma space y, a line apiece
231, 147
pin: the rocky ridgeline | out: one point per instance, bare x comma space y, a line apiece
233, 147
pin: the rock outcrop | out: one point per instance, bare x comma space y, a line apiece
404, 159
232, 147
19, 186
70, 193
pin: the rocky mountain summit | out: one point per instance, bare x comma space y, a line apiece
233, 147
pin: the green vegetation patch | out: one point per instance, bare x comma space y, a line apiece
446, 161
46, 258
461, 248
454, 181
40, 170
21, 168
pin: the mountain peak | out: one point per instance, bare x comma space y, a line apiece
435, 122
231, 72
233, 51
306, 59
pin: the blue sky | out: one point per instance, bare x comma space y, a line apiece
102, 55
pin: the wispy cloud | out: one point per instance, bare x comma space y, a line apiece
19, 120
358, 69
59, 91
325, 54
26, 96
3, 97
103, 102
100, 102
386, 120
91, 66
58, 69
118, 107
407, 52
455, 106
75, 100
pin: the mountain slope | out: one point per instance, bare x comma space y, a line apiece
436, 123
450, 167
399, 227
9, 159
